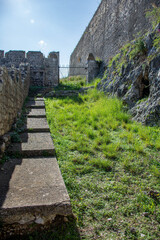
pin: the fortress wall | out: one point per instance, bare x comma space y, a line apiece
43, 71
114, 23
14, 86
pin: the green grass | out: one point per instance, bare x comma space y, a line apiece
109, 165
71, 83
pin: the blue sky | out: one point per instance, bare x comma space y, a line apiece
44, 25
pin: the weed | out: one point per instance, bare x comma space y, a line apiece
137, 48
15, 137
99, 60
156, 42
4, 159
154, 15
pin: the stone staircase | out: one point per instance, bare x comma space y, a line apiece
32, 191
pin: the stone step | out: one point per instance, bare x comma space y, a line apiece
33, 145
36, 125
32, 193
36, 113
36, 99
35, 104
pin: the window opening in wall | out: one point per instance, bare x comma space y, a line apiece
79, 59
41, 74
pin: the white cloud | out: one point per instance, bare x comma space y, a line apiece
42, 43
32, 21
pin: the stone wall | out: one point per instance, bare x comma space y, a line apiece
15, 57
52, 68
37, 69
114, 23
18, 71
14, 86
43, 71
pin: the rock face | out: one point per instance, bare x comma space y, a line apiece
134, 75
113, 24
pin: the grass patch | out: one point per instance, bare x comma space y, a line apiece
71, 83
109, 164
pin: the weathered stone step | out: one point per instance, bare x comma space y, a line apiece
36, 113
35, 104
33, 144
36, 99
32, 192
36, 125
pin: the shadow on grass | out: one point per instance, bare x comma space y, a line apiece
62, 86
66, 99
61, 231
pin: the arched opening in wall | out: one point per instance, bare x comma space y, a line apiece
144, 88
91, 57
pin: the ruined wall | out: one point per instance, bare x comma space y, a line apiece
114, 23
43, 71
14, 86
52, 68
37, 70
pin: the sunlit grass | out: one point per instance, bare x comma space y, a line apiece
109, 165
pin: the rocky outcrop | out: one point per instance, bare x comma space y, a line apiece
134, 75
